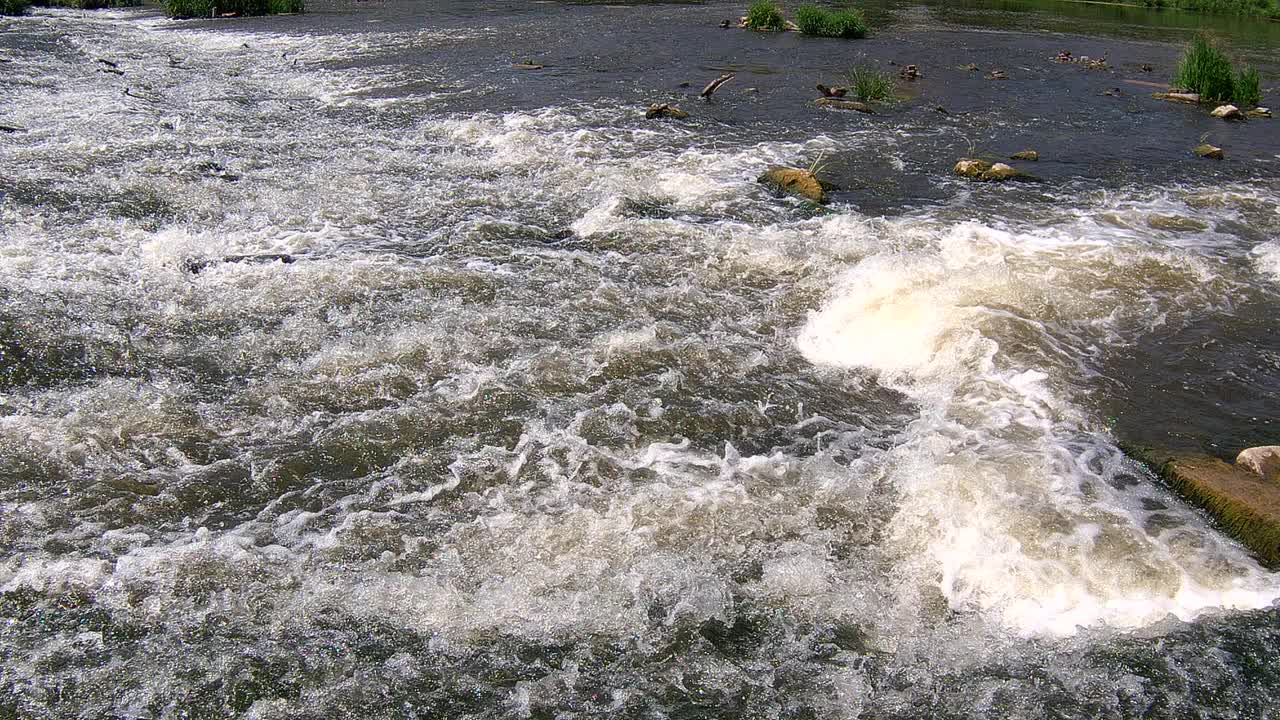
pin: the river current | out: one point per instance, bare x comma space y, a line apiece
351, 372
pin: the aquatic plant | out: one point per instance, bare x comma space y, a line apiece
1248, 89
871, 85
13, 7
846, 23
206, 8
765, 15
1204, 69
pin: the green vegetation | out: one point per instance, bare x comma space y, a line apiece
1248, 90
13, 7
870, 85
206, 8
848, 23
765, 15
87, 4
1204, 69
1265, 8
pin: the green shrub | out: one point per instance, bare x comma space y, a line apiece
87, 4
206, 8
1206, 70
813, 20
1248, 90
13, 7
765, 15
870, 85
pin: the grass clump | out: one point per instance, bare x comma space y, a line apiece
765, 15
1248, 90
847, 23
207, 8
13, 7
871, 85
1204, 69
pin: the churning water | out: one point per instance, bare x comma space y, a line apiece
349, 372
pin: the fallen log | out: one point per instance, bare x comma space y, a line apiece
714, 85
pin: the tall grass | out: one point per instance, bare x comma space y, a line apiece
205, 8
13, 7
1204, 69
847, 23
870, 85
765, 15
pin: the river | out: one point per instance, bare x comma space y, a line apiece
350, 371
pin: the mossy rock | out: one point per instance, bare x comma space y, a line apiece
1246, 506
985, 171
840, 104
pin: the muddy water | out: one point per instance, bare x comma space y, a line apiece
555, 412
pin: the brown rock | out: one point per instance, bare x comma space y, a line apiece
794, 181
1031, 155
985, 171
1209, 151
664, 110
839, 104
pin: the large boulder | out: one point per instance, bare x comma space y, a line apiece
797, 182
1245, 505
1263, 461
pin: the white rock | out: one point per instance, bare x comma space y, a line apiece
1264, 461
1227, 112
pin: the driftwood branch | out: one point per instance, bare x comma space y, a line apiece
715, 84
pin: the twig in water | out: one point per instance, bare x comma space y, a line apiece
715, 84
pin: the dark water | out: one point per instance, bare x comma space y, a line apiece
557, 413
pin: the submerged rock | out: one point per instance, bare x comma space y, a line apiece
526, 66
1209, 151
985, 171
1259, 112
1176, 223
1244, 504
1262, 461
663, 110
794, 181
1227, 112
1031, 155
838, 104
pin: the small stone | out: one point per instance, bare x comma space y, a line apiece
1258, 112
663, 110
1031, 155
1262, 461
1209, 151
526, 66
1227, 112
